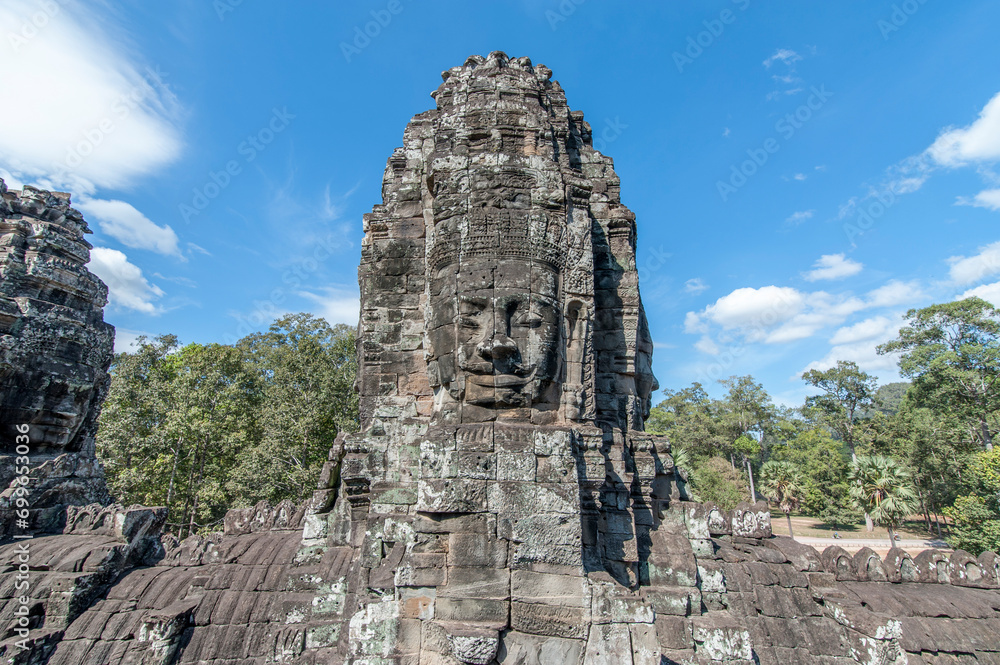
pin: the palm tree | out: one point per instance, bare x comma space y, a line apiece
883, 488
783, 483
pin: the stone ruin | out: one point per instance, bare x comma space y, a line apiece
55, 349
501, 503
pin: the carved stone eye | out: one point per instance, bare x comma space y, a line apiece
470, 312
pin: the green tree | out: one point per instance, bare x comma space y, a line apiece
824, 468
882, 488
976, 514
783, 483
745, 414
689, 418
889, 397
215, 401
140, 453
204, 428
717, 481
307, 370
952, 353
847, 394
174, 423
936, 448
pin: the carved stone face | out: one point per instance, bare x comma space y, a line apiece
495, 342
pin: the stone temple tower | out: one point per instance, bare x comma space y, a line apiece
504, 375
501, 504
498, 275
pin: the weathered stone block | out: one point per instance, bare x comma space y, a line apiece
672, 601
556, 469
546, 538
524, 649
476, 583
552, 442
674, 632
613, 603
477, 610
453, 495
719, 637
516, 466
752, 521
609, 644
549, 589
554, 620
476, 549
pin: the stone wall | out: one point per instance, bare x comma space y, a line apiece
268, 590
502, 503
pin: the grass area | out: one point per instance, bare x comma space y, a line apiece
912, 529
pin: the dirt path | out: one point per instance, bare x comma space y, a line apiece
813, 532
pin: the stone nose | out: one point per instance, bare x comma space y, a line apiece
498, 348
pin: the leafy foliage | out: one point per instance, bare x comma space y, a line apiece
976, 514
823, 466
717, 481
882, 488
203, 428
783, 483
307, 372
952, 353
847, 394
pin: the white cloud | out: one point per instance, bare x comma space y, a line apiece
824, 310
833, 266
336, 305
988, 198
895, 293
755, 308
858, 343
800, 176
126, 340
875, 327
787, 56
693, 324
93, 117
126, 285
988, 292
970, 269
800, 216
864, 354
695, 285
124, 223
706, 345
978, 142
779, 315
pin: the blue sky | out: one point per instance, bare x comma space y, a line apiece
802, 173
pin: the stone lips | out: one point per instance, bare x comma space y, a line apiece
55, 350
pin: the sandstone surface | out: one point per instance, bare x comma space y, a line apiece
55, 349
501, 503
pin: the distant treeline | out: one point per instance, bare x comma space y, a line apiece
204, 428
856, 450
